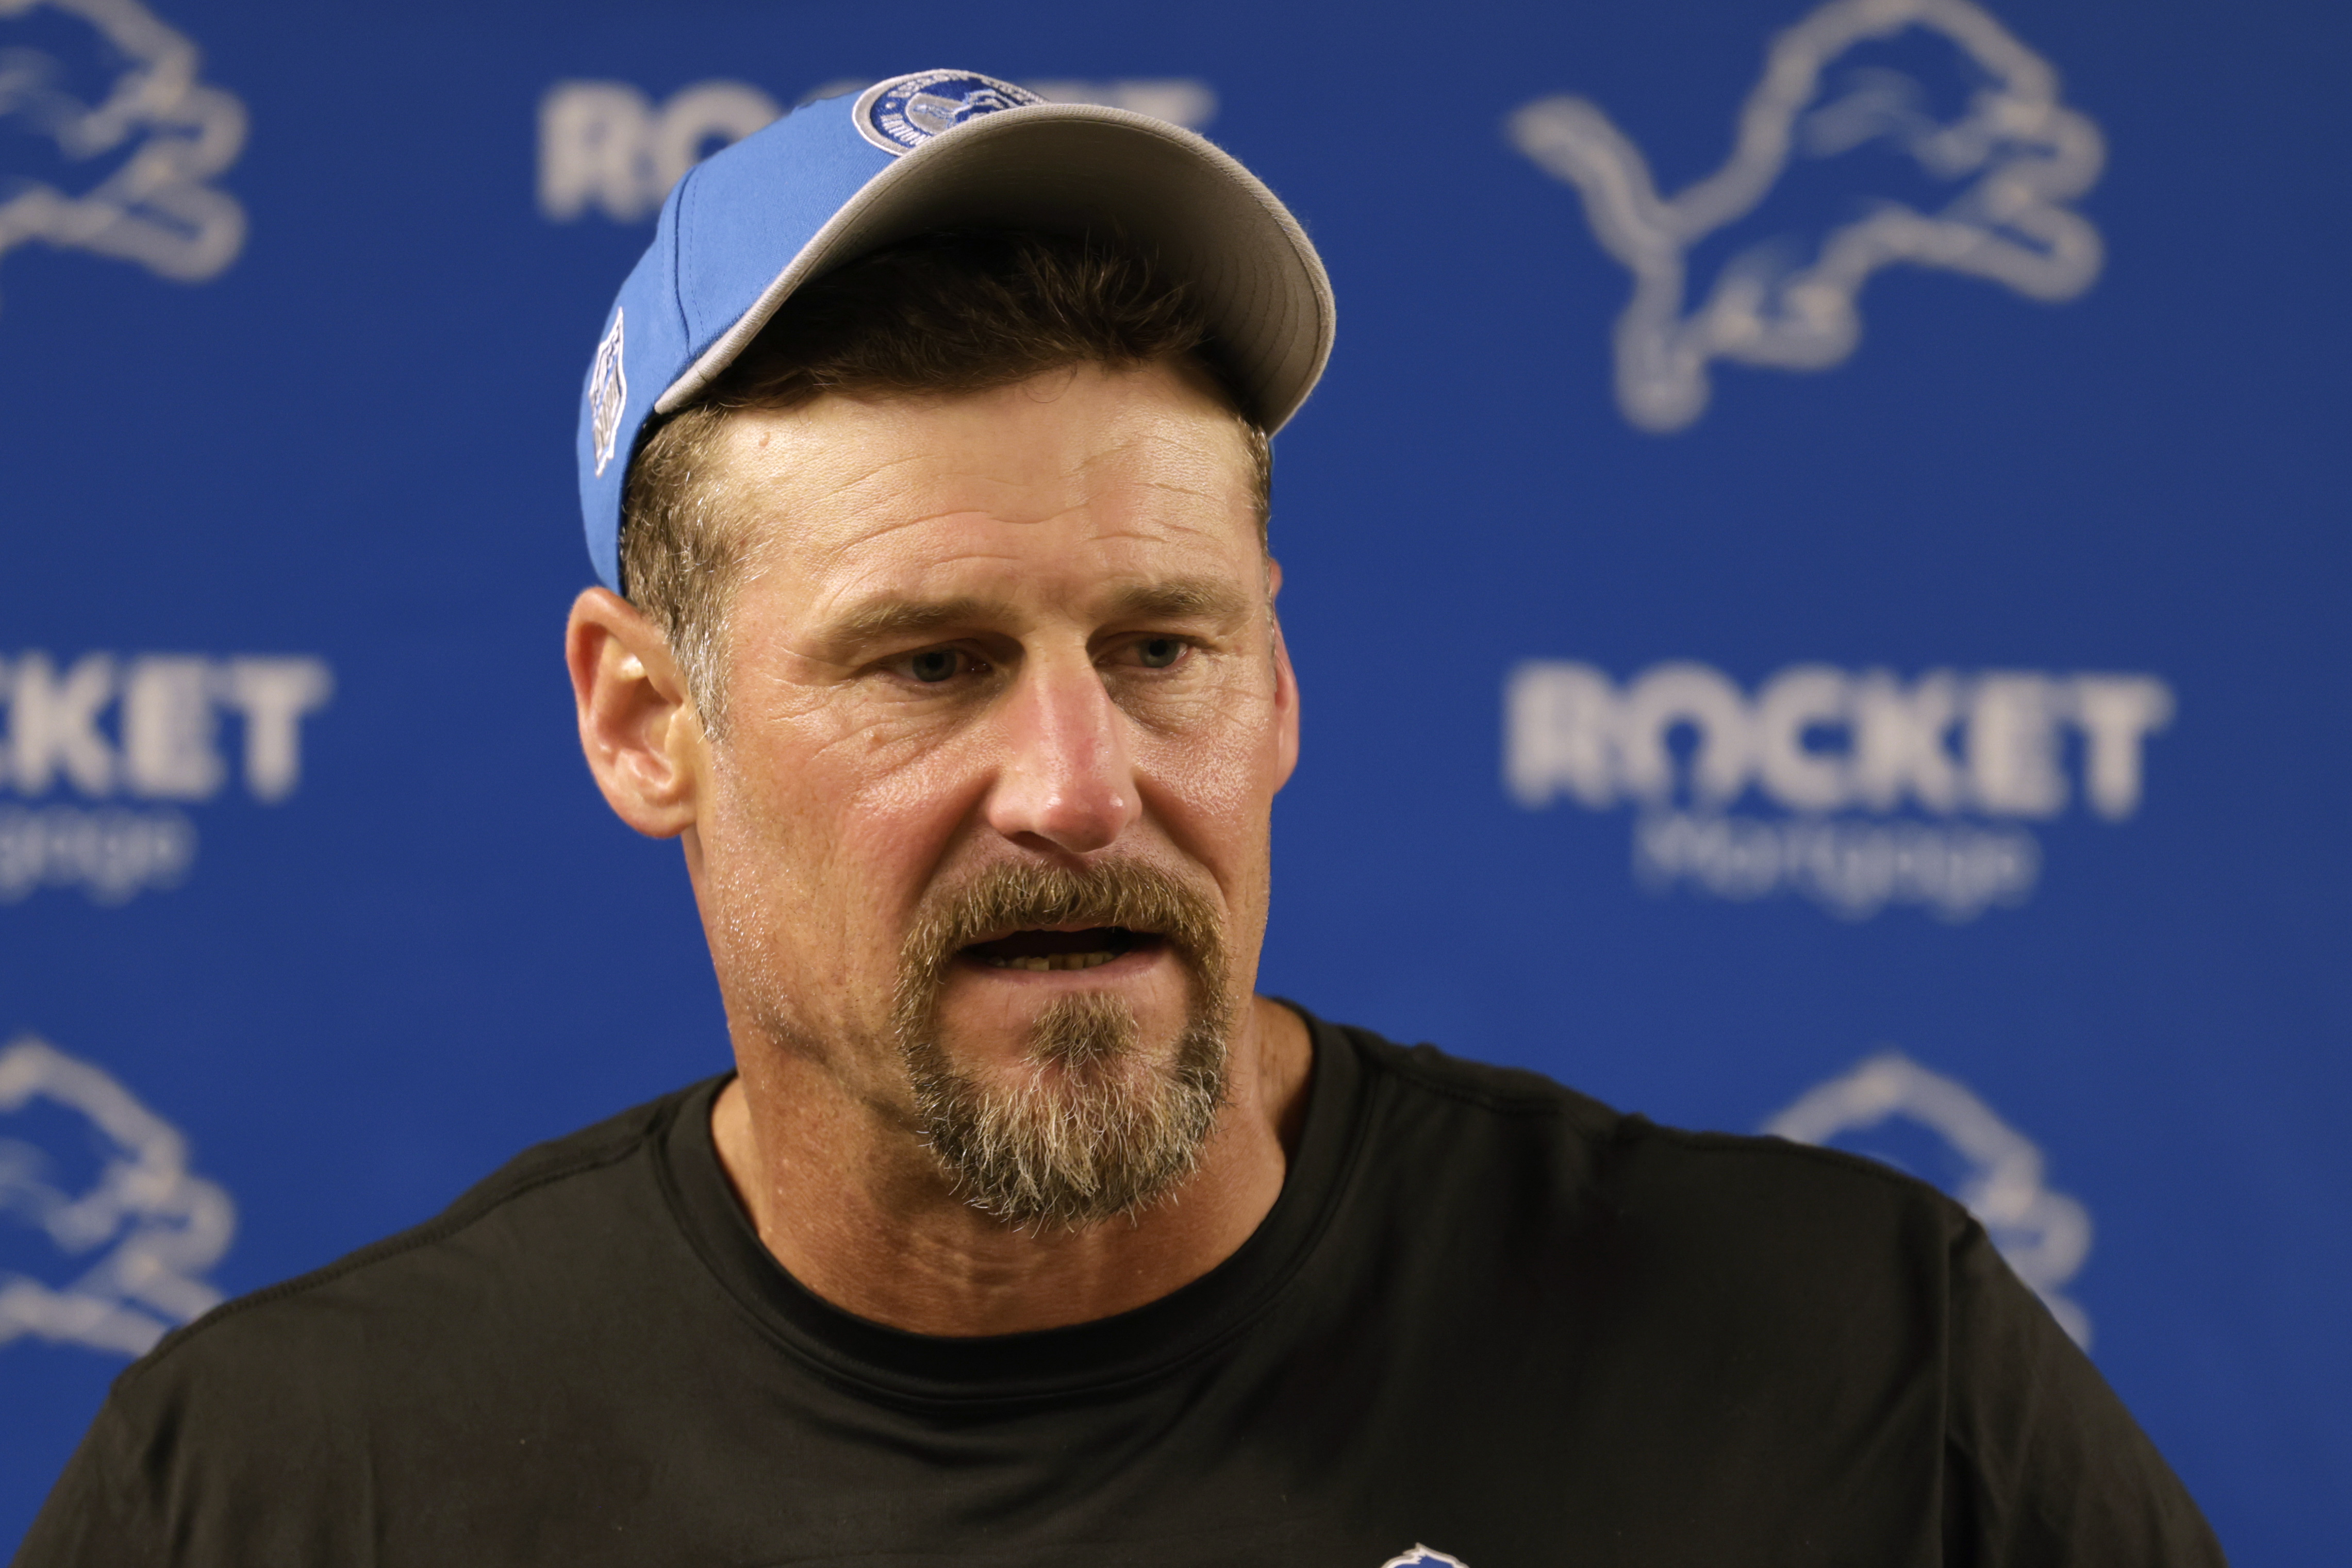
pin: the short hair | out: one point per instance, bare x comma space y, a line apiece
944, 313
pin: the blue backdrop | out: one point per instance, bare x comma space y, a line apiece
1817, 572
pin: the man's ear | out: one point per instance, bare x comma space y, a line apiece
637, 724
1286, 683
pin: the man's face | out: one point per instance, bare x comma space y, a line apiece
986, 834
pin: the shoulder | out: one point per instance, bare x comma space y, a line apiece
1790, 1269
505, 1243
1720, 1195
291, 1393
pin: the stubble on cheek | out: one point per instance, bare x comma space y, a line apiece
787, 936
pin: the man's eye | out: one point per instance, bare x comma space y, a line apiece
934, 665
1159, 653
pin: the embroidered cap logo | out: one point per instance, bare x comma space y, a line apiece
901, 114
608, 393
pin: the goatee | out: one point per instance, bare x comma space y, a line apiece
1097, 1123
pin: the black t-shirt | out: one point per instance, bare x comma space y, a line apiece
1488, 1321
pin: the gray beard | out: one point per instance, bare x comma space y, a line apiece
1094, 1127
1095, 1132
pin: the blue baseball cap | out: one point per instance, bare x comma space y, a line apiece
934, 149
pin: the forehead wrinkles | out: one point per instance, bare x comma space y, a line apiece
841, 470
1149, 477
1093, 561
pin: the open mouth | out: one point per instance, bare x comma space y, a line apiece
1090, 949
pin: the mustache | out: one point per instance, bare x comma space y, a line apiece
1033, 895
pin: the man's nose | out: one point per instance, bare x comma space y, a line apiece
1067, 779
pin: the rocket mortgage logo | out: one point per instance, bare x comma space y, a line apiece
1877, 789
103, 754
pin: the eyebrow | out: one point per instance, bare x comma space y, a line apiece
891, 619
888, 619
1180, 599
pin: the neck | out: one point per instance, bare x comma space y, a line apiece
856, 1212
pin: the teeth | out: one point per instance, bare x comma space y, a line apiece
1040, 962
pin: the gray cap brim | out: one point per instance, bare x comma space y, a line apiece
1077, 169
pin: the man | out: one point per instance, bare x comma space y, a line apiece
924, 461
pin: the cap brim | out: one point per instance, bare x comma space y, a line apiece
1081, 168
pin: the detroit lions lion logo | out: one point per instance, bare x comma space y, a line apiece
901, 114
1423, 1557
2000, 169
104, 1185
125, 143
